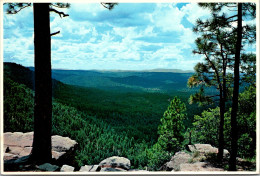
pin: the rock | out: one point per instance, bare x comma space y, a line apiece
176, 161
57, 155
48, 167
18, 144
115, 162
26, 151
67, 168
89, 168
136, 170
110, 169
206, 149
198, 166
15, 150
62, 144
9, 156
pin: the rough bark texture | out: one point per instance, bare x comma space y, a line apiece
232, 161
41, 151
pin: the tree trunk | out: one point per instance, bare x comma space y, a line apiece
233, 154
41, 151
221, 127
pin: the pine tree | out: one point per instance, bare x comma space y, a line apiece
171, 129
213, 71
230, 40
41, 151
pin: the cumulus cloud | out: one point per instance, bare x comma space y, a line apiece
131, 36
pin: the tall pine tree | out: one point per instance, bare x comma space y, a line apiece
41, 151
221, 54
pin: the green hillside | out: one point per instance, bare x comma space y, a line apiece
163, 82
122, 122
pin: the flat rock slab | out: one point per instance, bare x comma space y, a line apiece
198, 166
18, 144
89, 168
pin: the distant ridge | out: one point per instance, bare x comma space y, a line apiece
158, 70
163, 70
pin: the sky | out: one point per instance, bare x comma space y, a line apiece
132, 36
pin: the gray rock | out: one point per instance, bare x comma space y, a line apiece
62, 144
110, 169
48, 167
177, 160
136, 170
198, 166
116, 162
89, 168
206, 149
67, 168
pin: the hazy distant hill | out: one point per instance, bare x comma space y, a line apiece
151, 81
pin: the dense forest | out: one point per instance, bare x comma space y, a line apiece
144, 116
108, 123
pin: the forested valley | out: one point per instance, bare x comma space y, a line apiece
146, 116
123, 123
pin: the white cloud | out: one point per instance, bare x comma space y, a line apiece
193, 12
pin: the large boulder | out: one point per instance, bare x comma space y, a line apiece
116, 163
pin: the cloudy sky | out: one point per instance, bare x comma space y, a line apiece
133, 36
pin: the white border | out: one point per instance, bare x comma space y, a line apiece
134, 173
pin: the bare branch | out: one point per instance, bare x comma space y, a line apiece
55, 33
108, 6
62, 14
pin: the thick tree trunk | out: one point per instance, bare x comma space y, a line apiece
233, 155
41, 151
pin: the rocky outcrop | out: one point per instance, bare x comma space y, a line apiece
198, 166
195, 160
18, 146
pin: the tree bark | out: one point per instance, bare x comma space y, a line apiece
221, 128
41, 151
233, 154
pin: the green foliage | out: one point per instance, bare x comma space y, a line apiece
206, 126
157, 157
18, 107
206, 131
171, 128
104, 123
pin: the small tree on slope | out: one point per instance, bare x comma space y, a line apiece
171, 128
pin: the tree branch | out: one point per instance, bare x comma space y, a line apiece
13, 11
55, 33
62, 14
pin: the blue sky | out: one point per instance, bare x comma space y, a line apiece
133, 36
